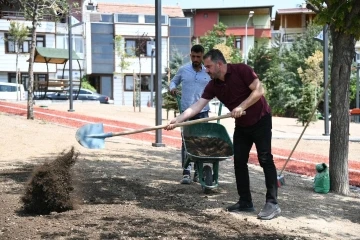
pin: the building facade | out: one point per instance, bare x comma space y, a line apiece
290, 22
50, 34
255, 28
120, 48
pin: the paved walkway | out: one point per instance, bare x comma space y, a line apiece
283, 128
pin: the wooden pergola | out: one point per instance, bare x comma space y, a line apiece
55, 56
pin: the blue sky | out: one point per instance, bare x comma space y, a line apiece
218, 3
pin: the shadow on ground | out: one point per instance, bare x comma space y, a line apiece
134, 192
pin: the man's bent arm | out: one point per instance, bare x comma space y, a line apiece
176, 80
257, 92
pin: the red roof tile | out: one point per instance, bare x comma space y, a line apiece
171, 11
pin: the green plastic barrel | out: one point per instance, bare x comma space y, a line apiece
322, 178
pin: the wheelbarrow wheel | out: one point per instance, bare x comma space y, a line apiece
208, 178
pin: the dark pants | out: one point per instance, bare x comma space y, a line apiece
244, 137
183, 157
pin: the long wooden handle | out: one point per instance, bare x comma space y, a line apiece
176, 125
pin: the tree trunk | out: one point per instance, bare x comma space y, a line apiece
343, 52
30, 104
122, 80
17, 72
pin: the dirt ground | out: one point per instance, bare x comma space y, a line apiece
131, 190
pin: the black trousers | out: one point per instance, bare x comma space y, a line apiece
244, 137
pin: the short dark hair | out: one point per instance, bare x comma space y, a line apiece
197, 48
215, 55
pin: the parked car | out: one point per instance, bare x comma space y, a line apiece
8, 91
84, 94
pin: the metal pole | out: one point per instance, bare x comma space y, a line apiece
326, 74
246, 40
70, 62
357, 90
158, 109
152, 78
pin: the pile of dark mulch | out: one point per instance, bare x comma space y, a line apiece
208, 147
50, 185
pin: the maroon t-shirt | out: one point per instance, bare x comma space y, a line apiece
234, 90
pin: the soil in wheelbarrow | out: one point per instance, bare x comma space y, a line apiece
208, 147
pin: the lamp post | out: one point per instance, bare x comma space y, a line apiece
357, 85
251, 13
70, 62
158, 108
152, 72
324, 39
70, 44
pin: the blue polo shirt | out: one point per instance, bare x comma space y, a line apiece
192, 85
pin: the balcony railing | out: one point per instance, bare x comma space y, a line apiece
15, 15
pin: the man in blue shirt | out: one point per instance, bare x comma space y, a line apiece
193, 79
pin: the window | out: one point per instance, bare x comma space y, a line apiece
136, 47
179, 31
150, 45
130, 46
24, 78
129, 83
128, 18
180, 22
238, 43
106, 18
12, 77
151, 19
25, 46
78, 43
145, 83
4, 88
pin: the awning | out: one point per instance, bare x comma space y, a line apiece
53, 55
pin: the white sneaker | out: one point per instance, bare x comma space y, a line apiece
186, 179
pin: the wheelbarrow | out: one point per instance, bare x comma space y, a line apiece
207, 167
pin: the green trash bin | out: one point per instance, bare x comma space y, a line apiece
322, 178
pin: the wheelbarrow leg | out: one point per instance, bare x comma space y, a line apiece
216, 172
200, 169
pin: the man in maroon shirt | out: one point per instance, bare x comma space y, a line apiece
239, 89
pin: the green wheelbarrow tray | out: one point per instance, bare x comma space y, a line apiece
208, 177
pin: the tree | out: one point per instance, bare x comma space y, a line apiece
282, 80
169, 101
34, 11
260, 59
311, 79
343, 19
123, 64
86, 84
218, 36
278, 83
139, 50
17, 35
